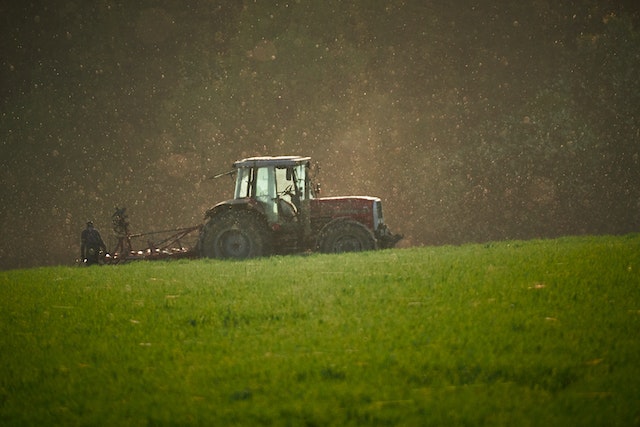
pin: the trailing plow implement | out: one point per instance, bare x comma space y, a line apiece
174, 243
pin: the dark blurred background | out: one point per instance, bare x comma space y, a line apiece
472, 120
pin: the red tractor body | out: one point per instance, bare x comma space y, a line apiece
366, 210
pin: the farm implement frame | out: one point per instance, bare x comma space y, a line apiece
174, 243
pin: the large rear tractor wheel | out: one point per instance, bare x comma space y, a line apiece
345, 236
234, 234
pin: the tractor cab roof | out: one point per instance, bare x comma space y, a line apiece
280, 161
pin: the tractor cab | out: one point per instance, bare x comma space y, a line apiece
279, 184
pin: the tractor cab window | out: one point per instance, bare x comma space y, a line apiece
288, 196
300, 180
264, 184
265, 191
258, 183
290, 187
290, 183
243, 189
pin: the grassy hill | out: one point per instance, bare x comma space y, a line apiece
535, 333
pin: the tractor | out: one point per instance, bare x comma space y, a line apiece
275, 211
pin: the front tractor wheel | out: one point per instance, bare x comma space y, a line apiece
345, 236
234, 234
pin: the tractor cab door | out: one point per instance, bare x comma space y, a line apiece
259, 184
288, 193
292, 190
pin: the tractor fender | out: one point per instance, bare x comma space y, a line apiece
358, 236
246, 203
337, 220
235, 233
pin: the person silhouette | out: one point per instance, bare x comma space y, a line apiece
91, 244
121, 230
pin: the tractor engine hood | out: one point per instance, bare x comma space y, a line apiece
364, 209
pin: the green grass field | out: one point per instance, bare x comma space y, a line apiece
536, 333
